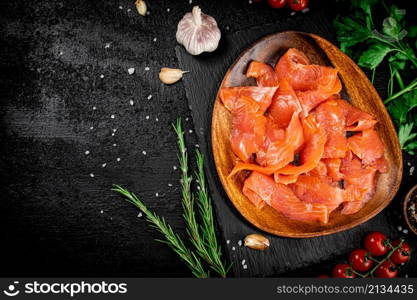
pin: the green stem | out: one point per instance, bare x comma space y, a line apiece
399, 79
393, 249
409, 88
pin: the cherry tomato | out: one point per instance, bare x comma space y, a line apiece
277, 3
360, 261
402, 254
298, 5
376, 243
387, 270
343, 271
323, 276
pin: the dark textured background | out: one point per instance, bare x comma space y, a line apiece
57, 220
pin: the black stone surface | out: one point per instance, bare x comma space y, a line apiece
55, 218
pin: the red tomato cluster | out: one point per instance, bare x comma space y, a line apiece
296, 5
380, 258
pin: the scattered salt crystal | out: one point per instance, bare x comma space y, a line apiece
128, 10
112, 116
405, 231
148, 13
131, 71
118, 159
94, 107
233, 248
186, 119
91, 128
197, 145
411, 171
107, 45
399, 228
250, 1
228, 242
157, 194
227, 27
154, 39
305, 10
101, 211
147, 117
144, 152
168, 9
114, 129
406, 275
147, 68
243, 261
198, 187
101, 76
190, 131
156, 119
120, 7
169, 184
131, 102
87, 152
91, 175
114, 145
191, 1
293, 13
112, 134
245, 267
408, 164
149, 97
239, 243
104, 165
174, 167
139, 215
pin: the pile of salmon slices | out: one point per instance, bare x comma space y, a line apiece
309, 151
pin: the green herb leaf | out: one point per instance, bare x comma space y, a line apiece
372, 57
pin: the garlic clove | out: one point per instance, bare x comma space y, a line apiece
170, 76
256, 241
141, 7
198, 32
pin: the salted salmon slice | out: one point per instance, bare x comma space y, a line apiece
262, 95
248, 128
356, 120
320, 170
284, 104
312, 151
312, 189
272, 134
285, 179
333, 168
282, 199
367, 146
359, 182
331, 117
265, 75
279, 153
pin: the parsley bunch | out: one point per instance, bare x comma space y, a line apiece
394, 42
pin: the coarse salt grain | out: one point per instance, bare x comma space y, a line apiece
104, 165
233, 248
169, 184
408, 164
118, 159
131, 102
243, 261
168, 9
101, 76
120, 7
147, 68
245, 267
154, 39
112, 116
87, 152
91, 175
405, 231
101, 211
411, 171
149, 97
156, 119
114, 129
293, 13
174, 167
305, 10
147, 117
114, 145
399, 228
186, 119
131, 71
144, 152
191, 1
91, 128
228, 242
128, 10
157, 194
107, 45
139, 215
148, 13
197, 145
190, 131
94, 107
112, 134
239, 243
250, 1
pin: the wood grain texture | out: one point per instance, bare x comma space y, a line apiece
411, 193
358, 89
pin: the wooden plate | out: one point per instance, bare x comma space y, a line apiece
356, 88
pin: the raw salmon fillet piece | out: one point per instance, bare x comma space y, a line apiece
367, 146
272, 134
284, 104
313, 189
359, 182
282, 199
312, 151
330, 116
333, 168
262, 95
265, 75
356, 120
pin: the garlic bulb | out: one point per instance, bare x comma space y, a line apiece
198, 32
256, 241
170, 76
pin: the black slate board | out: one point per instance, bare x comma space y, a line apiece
285, 254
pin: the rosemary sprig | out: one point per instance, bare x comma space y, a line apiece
171, 238
202, 237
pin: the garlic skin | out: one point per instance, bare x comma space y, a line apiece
198, 32
256, 241
141, 7
170, 76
